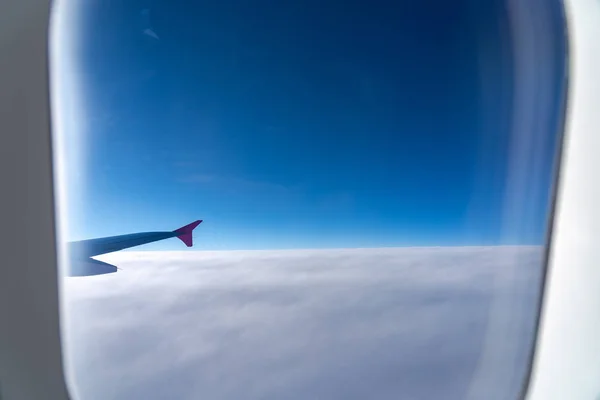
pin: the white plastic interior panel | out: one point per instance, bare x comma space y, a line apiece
30, 350
567, 360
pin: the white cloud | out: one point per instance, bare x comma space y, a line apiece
421, 323
151, 33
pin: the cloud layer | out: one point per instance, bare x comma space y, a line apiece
416, 323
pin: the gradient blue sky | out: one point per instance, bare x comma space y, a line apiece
304, 124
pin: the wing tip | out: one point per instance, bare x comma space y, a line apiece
185, 232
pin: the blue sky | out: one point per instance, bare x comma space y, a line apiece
305, 124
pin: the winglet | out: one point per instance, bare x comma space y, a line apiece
185, 232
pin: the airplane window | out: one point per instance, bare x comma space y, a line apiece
304, 199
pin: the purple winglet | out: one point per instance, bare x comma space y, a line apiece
185, 232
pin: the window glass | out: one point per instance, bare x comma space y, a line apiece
374, 181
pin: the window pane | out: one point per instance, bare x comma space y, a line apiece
374, 181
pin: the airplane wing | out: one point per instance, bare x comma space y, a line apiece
80, 253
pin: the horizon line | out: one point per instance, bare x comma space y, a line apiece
133, 250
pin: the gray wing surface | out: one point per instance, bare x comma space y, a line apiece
80, 252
